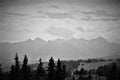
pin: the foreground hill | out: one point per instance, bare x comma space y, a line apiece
63, 49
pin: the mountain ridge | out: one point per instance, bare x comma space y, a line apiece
59, 48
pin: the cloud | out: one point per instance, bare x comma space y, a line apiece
27, 30
87, 15
17, 14
80, 29
100, 13
88, 18
96, 15
55, 6
59, 15
56, 15
60, 31
61, 18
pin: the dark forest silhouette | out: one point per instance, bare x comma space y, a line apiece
58, 71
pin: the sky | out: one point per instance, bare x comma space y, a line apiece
59, 19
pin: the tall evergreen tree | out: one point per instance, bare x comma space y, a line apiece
64, 71
17, 65
113, 72
15, 69
0, 72
64, 68
59, 64
58, 73
12, 73
51, 71
82, 72
61, 73
25, 69
40, 71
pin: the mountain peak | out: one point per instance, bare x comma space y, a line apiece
67, 49
29, 39
38, 39
101, 39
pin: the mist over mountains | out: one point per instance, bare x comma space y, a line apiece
64, 49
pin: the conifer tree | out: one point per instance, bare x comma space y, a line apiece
0, 72
25, 69
51, 71
59, 64
64, 71
82, 71
40, 71
113, 72
64, 68
59, 72
15, 69
12, 73
17, 65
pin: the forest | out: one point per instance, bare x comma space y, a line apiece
60, 70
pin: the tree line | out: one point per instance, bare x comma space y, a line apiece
62, 70
24, 72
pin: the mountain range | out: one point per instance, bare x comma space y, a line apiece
64, 49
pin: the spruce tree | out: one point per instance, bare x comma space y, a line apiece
51, 71
82, 72
64, 71
59, 72
12, 73
17, 67
25, 69
59, 65
0, 72
113, 72
40, 71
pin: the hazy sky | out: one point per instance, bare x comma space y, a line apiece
52, 19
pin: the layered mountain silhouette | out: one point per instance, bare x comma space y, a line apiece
59, 48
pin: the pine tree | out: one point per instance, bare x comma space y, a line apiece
12, 73
64, 68
59, 65
64, 71
15, 69
61, 71
51, 71
0, 72
25, 69
40, 71
113, 72
82, 71
17, 65
58, 73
